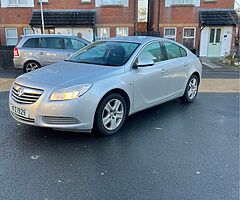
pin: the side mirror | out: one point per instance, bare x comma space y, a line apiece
143, 62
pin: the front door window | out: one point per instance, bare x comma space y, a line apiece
214, 46
215, 35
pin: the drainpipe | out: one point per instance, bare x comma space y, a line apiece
159, 7
199, 40
134, 17
150, 15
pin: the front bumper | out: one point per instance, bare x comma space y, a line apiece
71, 115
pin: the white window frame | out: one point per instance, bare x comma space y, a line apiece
99, 37
43, 1
112, 3
183, 2
86, 1
194, 37
122, 27
6, 3
24, 30
6, 29
168, 36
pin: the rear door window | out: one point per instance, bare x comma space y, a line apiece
51, 43
174, 51
31, 43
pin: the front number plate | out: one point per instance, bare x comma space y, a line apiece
19, 111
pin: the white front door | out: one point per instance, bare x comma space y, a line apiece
215, 41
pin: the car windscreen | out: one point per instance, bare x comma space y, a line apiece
110, 53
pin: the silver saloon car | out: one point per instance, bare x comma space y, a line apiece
100, 85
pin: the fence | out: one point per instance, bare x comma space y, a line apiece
6, 57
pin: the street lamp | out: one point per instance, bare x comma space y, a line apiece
43, 28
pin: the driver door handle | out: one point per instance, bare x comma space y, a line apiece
186, 64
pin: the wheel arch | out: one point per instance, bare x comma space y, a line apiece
120, 91
198, 76
30, 60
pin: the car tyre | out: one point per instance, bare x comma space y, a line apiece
110, 115
191, 90
31, 66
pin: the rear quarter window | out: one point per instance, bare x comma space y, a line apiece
31, 43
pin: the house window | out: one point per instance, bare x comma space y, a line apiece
43, 1
11, 36
103, 33
182, 2
111, 2
86, 1
122, 31
17, 2
27, 31
189, 37
170, 33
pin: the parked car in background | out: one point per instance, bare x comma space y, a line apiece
99, 86
35, 51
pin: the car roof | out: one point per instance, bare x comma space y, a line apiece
54, 35
136, 39
50, 35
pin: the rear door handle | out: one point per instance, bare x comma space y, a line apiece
163, 71
186, 64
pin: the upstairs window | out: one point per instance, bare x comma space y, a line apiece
111, 2
103, 3
182, 2
17, 3
170, 33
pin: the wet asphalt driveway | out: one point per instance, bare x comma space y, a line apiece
172, 151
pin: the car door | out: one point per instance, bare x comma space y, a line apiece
51, 50
177, 64
149, 82
71, 46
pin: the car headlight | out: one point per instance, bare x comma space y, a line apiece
70, 92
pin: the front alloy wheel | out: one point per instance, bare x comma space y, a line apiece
111, 114
191, 89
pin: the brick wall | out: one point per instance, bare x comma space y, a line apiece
114, 16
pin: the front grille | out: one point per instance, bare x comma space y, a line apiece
23, 119
59, 120
25, 95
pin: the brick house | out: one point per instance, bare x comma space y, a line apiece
108, 18
205, 25
208, 26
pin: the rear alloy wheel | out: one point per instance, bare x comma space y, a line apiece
111, 114
191, 90
31, 66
